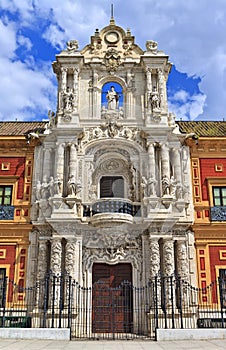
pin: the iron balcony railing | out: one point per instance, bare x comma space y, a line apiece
218, 213
6, 212
110, 205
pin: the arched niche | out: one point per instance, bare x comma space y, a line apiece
112, 95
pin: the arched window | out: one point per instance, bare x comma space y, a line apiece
112, 95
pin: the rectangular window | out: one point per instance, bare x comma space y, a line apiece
6, 195
219, 196
112, 186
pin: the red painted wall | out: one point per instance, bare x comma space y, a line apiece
17, 168
207, 169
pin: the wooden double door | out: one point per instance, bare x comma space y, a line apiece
112, 298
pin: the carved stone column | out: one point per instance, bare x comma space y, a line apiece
149, 80
165, 169
56, 255
63, 79
182, 259
75, 89
168, 257
176, 162
151, 160
154, 257
168, 287
42, 259
73, 160
165, 166
95, 94
41, 270
60, 161
162, 89
47, 163
154, 270
149, 86
55, 266
70, 258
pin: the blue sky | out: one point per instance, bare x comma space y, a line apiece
191, 32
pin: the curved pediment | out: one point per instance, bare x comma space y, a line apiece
112, 44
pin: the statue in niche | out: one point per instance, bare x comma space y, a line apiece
68, 99
57, 185
173, 186
51, 186
155, 101
73, 186
165, 185
148, 186
112, 98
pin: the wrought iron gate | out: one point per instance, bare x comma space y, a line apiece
100, 312
121, 311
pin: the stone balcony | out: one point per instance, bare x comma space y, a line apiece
112, 211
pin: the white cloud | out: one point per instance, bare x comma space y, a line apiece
24, 41
185, 106
7, 39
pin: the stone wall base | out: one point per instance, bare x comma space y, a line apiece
35, 333
190, 334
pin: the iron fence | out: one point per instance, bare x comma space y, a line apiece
122, 312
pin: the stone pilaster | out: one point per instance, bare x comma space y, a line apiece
162, 89
73, 160
165, 169
63, 79
168, 291
56, 255
42, 259
182, 259
70, 258
176, 162
168, 256
151, 160
47, 163
154, 257
60, 161
41, 271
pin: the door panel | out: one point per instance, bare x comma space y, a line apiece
112, 298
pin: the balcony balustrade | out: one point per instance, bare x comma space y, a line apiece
6, 212
121, 206
218, 213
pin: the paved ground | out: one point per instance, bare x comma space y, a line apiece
111, 345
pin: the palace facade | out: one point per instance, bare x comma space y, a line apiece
112, 191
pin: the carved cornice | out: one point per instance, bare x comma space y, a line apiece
112, 130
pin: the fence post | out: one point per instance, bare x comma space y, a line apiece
61, 306
164, 289
69, 303
156, 303
172, 300
221, 300
45, 306
53, 301
4, 290
180, 302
